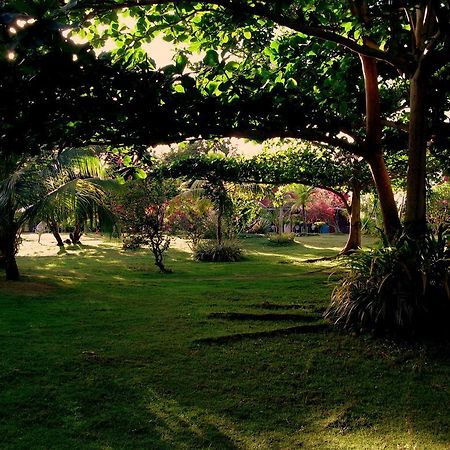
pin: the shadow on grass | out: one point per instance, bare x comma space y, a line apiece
108, 361
301, 329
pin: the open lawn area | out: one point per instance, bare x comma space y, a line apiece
100, 351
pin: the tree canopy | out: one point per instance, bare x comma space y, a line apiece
267, 69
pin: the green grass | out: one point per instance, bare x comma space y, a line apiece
99, 351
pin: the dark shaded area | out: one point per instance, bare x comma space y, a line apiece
301, 329
264, 317
274, 306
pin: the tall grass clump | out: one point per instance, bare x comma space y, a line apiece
227, 251
281, 239
401, 289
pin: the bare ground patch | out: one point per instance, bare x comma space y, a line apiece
26, 288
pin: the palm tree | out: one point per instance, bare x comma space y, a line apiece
16, 190
296, 197
70, 184
216, 191
76, 185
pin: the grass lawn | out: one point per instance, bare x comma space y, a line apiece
99, 351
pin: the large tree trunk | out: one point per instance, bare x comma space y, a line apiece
391, 221
415, 218
373, 153
354, 235
8, 236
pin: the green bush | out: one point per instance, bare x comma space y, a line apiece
402, 288
281, 239
133, 242
212, 251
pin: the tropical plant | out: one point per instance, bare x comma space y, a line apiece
227, 251
281, 239
52, 187
189, 216
402, 288
141, 209
76, 183
439, 204
300, 196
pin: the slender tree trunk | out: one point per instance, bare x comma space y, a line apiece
159, 260
305, 227
373, 150
354, 235
415, 217
280, 220
219, 222
53, 226
76, 235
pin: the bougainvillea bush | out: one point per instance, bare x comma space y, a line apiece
190, 217
322, 206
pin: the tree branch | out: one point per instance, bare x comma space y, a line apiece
257, 9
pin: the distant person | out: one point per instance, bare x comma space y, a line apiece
40, 229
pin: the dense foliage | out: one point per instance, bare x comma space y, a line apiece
281, 238
226, 251
141, 209
54, 187
190, 217
403, 288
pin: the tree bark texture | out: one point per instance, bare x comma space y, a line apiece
415, 217
53, 226
76, 235
220, 211
391, 221
354, 235
8, 236
373, 150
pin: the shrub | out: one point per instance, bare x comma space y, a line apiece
212, 251
133, 242
402, 289
281, 239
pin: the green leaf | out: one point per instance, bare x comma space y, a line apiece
179, 88
140, 174
231, 66
211, 58
291, 83
181, 62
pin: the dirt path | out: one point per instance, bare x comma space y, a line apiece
48, 247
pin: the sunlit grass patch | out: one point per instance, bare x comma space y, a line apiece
218, 355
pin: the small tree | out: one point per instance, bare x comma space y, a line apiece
142, 212
188, 216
